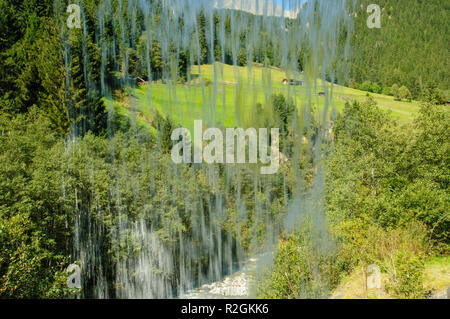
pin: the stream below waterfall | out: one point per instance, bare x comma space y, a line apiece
235, 286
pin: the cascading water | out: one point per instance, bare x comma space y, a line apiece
213, 216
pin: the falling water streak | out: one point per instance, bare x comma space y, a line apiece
145, 265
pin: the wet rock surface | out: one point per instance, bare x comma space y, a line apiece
236, 285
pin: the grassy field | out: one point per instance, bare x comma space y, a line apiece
437, 275
231, 102
436, 280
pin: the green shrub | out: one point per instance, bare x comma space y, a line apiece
395, 90
407, 279
387, 91
376, 88
366, 86
208, 82
352, 84
433, 95
404, 94
300, 270
398, 251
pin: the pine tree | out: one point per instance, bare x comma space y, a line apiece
86, 107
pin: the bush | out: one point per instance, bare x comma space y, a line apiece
407, 279
395, 90
404, 94
283, 109
300, 270
242, 57
370, 87
387, 91
399, 252
208, 82
352, 84
376, 88
433, 95
366, 86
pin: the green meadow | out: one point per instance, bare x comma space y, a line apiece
217, 104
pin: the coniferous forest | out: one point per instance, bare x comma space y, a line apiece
87, 175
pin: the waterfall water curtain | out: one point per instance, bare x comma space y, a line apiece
167, 47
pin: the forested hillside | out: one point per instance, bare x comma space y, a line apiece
410, 49
34, 53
